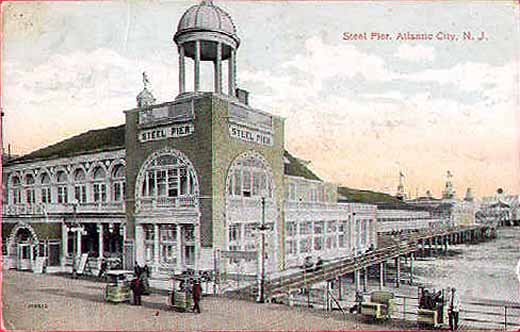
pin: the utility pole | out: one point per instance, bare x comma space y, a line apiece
75, 230
262, 229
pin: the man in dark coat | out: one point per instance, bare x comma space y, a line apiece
137, 270
196, 293
103, 269
137, 289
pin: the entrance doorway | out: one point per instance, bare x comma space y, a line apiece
25, 246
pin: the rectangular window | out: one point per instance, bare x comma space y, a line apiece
29, 196
189, 252
100, 192
341, 241
168, 254
246, 190
237, 183
148, 252
17, 197
62, 195
161, 183
306, 227
290, 229
318, 227
318, 243
149, 233
116, 192
234, 232
291, 248
184, 181
80, 193
331, 226
46, 195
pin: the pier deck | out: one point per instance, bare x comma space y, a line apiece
391, 247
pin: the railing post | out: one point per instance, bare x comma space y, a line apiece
505, 317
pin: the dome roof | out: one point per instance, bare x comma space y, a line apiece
207, 16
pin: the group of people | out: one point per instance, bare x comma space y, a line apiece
189, 287
432, 301
435, 301
140, 284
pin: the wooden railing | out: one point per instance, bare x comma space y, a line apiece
398, 246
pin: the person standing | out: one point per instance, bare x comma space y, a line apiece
145, 275
137, 269
454, 307
196, 293
137, 289
103, 268
359, 300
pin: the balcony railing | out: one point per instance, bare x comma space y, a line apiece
316, 206
167, 203
53, 208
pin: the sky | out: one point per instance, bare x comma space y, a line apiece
360, 110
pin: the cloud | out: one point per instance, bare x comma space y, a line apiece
54, 98
345, 129
415, 53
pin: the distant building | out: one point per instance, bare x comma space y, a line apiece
501, 207
449, 210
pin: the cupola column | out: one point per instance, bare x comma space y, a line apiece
218, 69
182, 70
197, 66
231, 73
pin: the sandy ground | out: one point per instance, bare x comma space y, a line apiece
49, 302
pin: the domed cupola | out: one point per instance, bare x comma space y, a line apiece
207, 33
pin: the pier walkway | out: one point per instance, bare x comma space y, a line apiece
390, 247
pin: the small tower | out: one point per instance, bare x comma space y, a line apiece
207, 33
401, 194
145, 98
448, 192
469, 195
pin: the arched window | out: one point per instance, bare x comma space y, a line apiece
250, 177
45, 181
168, 176
16, 191
99, 187
62, 180
30, 197
80, 186
118, 183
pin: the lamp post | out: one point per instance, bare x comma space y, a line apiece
262, 229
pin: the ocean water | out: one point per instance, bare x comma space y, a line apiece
480, 271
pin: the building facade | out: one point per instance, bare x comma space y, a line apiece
198, 183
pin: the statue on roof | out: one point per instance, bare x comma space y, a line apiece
146, 81
145, 98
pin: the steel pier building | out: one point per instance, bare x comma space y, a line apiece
193, 183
